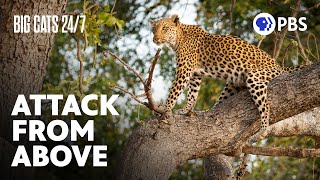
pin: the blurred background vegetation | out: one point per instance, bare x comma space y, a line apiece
122, 27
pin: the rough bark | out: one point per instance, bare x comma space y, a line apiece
156, 148
23, 60
219, 167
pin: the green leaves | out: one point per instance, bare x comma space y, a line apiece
294, 42
120, 23
97, 16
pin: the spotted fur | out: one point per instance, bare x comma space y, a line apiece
226, 57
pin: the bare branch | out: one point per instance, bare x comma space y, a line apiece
114, 5
275, 43
317, 57
286, 52
260, 41
81, 66
287, 151
125, 64
303, 54
127, 92
151, 104
80, 61
147, 86
311, 8
233, 2
285, 30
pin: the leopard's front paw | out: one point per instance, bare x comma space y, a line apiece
166, 115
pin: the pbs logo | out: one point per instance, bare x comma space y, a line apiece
265, 24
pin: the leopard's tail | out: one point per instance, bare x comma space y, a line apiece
294, 68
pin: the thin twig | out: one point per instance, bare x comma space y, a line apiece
233, 2
303, 54
285, 30
126, 65
275, 43
127, 92
311, 8
286, 53
81, 66
260, 41
316, 44
115, 2
185, 8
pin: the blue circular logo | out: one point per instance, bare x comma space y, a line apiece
264, 24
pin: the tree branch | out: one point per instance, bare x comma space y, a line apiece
287, 151
155, 149
151, 104
303, 53
125, 65
81, 66
306, 123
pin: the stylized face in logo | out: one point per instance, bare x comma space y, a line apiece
264, 24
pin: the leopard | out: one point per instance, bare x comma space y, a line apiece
201, 54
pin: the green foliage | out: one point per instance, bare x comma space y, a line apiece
96, 16
193, 169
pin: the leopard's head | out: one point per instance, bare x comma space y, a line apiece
165, 30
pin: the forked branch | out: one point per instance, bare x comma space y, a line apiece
151, 104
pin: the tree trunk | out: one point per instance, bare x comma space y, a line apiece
23, 61
155, 149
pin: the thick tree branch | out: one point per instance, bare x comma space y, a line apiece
306, 123
156, 148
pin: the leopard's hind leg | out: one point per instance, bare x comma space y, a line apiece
257, 86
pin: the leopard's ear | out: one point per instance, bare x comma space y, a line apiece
152, 23
175, 19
